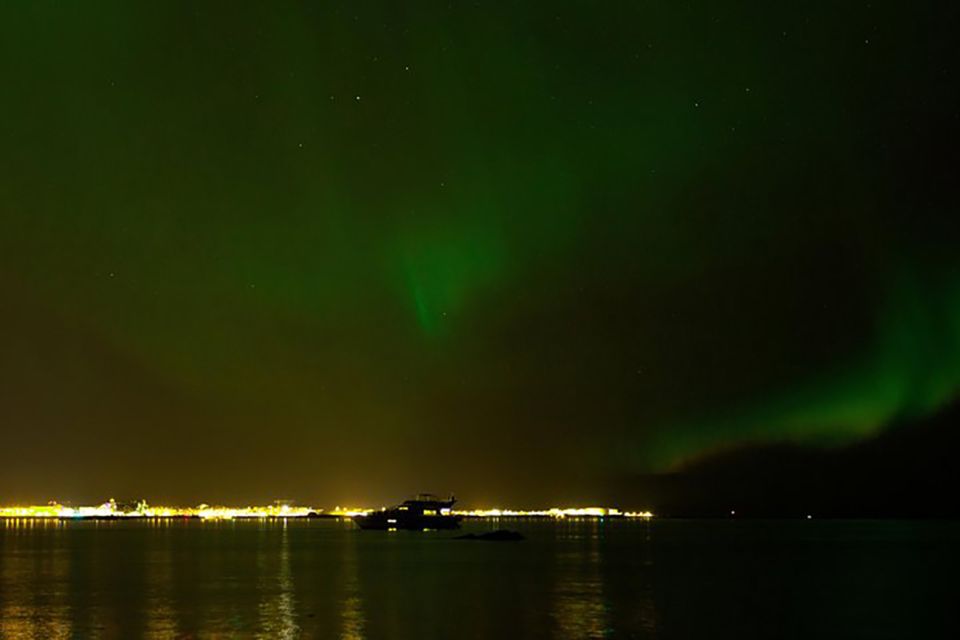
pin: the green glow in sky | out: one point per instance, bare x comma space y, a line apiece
611, 241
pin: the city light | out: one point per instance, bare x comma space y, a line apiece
112, 510
555, 512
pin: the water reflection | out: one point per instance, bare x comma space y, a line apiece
583, 579
646, 616
352, 622
160, 616
579, 607
277, 610
24, 612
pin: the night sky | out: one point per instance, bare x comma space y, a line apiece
348, 251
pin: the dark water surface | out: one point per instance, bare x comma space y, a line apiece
323, 579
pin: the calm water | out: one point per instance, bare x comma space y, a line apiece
323, 579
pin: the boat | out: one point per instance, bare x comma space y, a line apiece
423, 513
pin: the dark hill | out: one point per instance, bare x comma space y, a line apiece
910, 470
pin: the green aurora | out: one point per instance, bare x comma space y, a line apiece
608, 239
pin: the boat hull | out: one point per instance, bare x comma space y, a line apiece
386, 520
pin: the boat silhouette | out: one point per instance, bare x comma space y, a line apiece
424, 512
